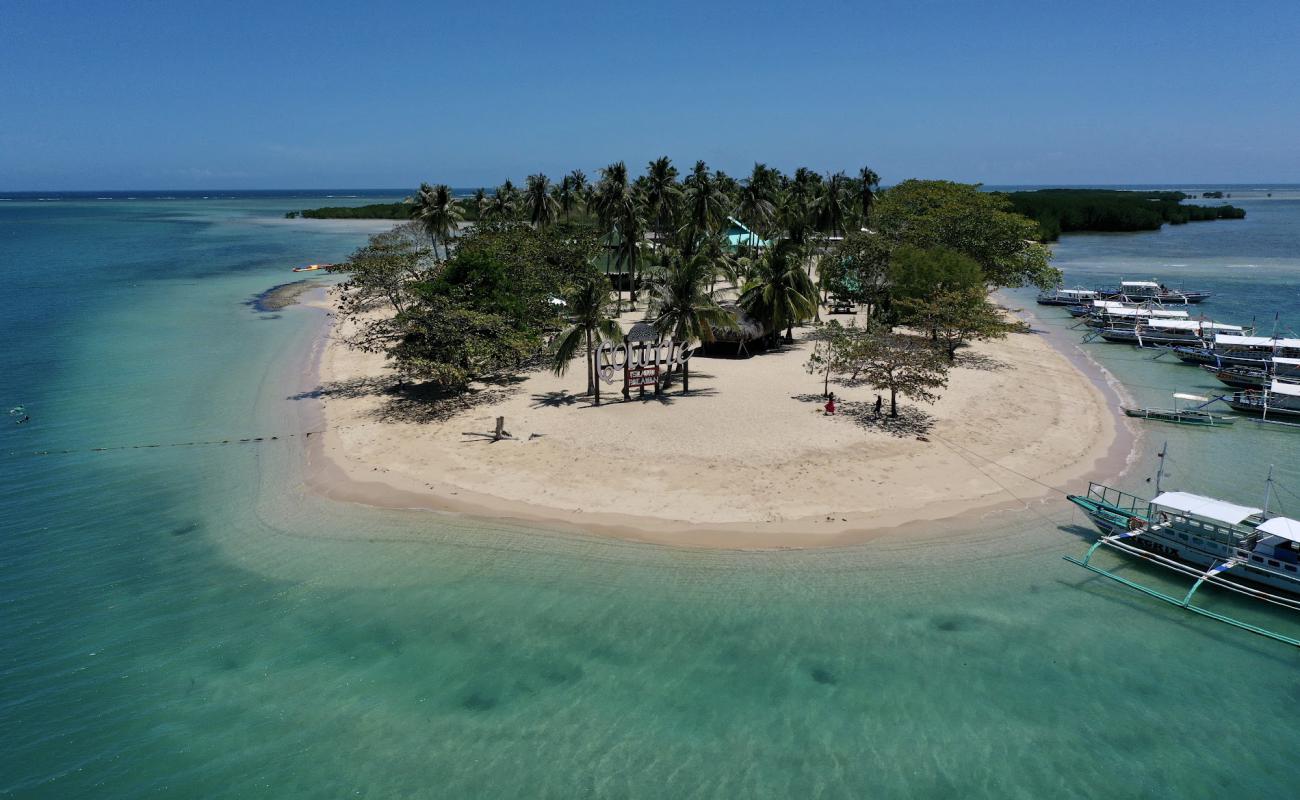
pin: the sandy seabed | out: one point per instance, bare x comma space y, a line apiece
747, 459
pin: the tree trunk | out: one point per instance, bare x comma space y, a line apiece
826, 386
789, 333
591, 366
893, 402
686, 377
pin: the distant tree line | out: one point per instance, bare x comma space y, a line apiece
1060, 211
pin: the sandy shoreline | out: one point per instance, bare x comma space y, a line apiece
746, 461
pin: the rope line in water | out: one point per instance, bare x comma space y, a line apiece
213, 442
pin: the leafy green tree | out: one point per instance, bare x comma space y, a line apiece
901, 364
858, 269
619, 210
450, 345
683, 306
384, 272
780, 293
918, 274
957, 316
796, 209
833, 351
481, 203
504, 203
589, 307
542, 207
978, 224
437, 211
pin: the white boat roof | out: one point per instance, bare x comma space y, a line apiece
1185, 396
1078, 292
1289, 389
1289, 361
1283, 527
1206, 507
1245, 341
1110, 304
1159, 313
1143, 284
1191, 325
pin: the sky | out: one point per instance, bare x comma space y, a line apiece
195, 95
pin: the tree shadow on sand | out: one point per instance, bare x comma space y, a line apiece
911, 422
414, 402
979, 362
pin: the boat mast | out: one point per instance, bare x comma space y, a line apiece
1160, 473
1268, 492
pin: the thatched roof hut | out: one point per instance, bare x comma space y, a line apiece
747, 336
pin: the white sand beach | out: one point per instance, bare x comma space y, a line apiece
748, 459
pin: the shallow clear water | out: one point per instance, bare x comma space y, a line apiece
187, 621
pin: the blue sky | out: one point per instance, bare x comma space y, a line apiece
326, 95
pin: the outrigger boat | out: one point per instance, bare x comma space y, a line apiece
1153, 290
1195, 415
1066, 297
1129, 317
1168, 332
1238, 548
1248, 351
313, 267
1280, 399
1240, 376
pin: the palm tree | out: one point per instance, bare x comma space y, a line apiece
683, 306
868, 185
565, 196
589, 322
832, 205
780, 293
618, 209
581, 188
481, 202
661, 194
756, 207
437, 211
504, 204
706, 203
542, 208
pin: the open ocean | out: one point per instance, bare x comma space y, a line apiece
187, 621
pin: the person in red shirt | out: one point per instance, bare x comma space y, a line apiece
830, 404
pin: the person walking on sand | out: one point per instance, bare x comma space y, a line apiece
830, 405
880, 401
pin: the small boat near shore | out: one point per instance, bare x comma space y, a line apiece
1066, 297
1154, 291
1169, 333
1249, 351
1251, 376
1238, 548
1194, 415
1280, 399
313, 267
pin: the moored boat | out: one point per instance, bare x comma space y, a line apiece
1154, 290
1239, 548
1066, 297
1243, 376
1280, 399
1168, 332
1233, 349
1192, 415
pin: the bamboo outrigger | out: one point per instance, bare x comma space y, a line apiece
1191, 415
1232, 547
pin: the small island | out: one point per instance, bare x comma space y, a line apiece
775, 361
1060, 211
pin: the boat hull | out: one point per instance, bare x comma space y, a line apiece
1167, 545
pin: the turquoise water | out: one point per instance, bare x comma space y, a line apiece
187, 621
